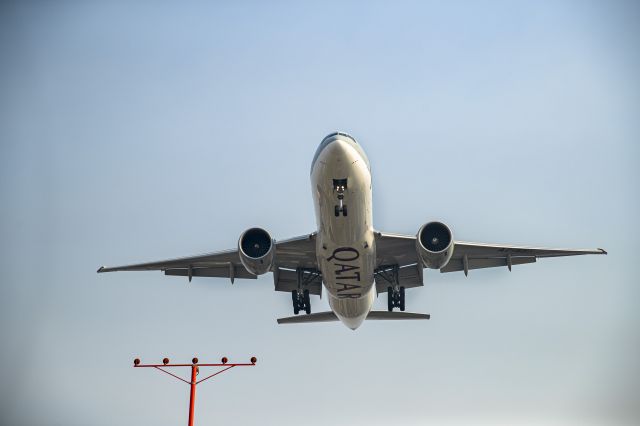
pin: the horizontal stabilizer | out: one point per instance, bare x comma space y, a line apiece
386, 315
317, 317
373, 315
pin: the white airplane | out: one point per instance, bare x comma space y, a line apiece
346, 254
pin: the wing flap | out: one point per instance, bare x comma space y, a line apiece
457, 264
287, 280
217, 272
408, 277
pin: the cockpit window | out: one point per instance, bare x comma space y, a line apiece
340, 134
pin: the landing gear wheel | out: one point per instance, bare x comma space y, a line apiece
301, 301
389, 299
294, 298
307, 302
344, 210
337, 211
402, 299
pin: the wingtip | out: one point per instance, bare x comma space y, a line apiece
100, 269
603, 251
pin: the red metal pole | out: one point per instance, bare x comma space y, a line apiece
192, 398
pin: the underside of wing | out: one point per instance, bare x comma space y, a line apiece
396, 250
296, 262
290, 255
222, 264
397, 260
468, 255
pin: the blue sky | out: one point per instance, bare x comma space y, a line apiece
134, 132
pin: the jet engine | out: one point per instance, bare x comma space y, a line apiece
257, 250
434, 243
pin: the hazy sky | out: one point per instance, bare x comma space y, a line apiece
135, 132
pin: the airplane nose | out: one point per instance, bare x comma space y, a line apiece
336, 148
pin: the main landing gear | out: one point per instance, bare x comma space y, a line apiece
395, 298
395, 292
301, 301
300, 296
340, 185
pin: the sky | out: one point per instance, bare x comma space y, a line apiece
139, 131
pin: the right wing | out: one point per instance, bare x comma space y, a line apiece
400, 250
291, 254
468, 256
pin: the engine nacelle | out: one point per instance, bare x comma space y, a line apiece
257, 250
434, 243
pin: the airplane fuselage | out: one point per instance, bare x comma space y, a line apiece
345, 244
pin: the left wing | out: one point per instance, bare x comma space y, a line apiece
299, 252
396, 249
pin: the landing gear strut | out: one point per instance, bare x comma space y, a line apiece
395, 292
339, 185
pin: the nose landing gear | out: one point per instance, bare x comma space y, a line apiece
339, 186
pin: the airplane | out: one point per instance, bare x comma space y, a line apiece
346, 255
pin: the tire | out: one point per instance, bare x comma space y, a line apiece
307, 302
344, 210
337, 211
294, 299
389, 299
402, 299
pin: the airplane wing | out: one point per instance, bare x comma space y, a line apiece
397, 249
298, 252
479, 255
